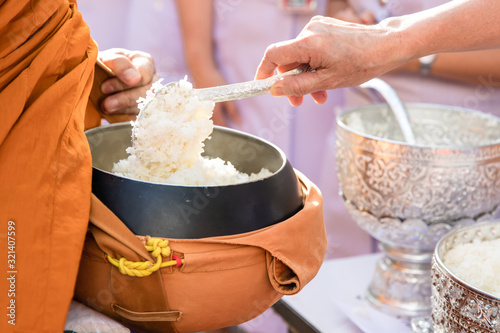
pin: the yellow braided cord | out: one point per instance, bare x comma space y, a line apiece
159, 249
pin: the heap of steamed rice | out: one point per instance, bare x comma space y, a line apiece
168, 141
477, 263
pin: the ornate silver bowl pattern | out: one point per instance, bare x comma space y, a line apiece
450, 174
458, 306
409, 196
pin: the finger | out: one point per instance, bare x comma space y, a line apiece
319, 97
115, 105
295, 100
145, 64
125, 100
288, 67
124, 69
284, 53
266, 68
297, 85
113, 85
130, 111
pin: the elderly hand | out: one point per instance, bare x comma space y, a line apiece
135, 72
347, 54
341, 53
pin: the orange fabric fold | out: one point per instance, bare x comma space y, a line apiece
46, 70
295, 248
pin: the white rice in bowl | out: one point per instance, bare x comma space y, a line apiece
477, 263
168, 140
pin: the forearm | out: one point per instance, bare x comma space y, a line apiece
196, 20
460, 25
479, 67
474, 67
346, 54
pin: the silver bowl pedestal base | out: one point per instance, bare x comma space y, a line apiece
401, 284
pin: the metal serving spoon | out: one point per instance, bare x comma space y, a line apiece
241, 90
245, 89
397, 107
234, 91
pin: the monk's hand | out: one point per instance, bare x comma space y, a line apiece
135, 72
341, 54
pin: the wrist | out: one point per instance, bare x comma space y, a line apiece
412, 66
400, 36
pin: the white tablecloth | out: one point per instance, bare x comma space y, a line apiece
334, 300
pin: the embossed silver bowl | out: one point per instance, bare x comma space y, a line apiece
458, 306
450, 174
408, 196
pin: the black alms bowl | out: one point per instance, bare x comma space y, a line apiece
175, 211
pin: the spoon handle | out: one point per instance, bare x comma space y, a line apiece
245, 89
398, 108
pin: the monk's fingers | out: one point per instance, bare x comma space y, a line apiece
132, 69
114, 85
144, 62
131, 111
124, 69
124, 102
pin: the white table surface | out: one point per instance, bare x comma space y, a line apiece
334, 300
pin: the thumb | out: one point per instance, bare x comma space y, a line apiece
130, 76
124, 69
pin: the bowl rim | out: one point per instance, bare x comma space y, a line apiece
219, 128
348, 129
440, 264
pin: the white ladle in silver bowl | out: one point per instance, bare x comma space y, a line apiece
395, 104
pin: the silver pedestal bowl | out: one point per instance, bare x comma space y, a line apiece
409, 196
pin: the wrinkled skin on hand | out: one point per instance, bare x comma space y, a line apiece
342, 54
347, 54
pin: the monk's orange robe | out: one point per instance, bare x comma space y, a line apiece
46, 69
